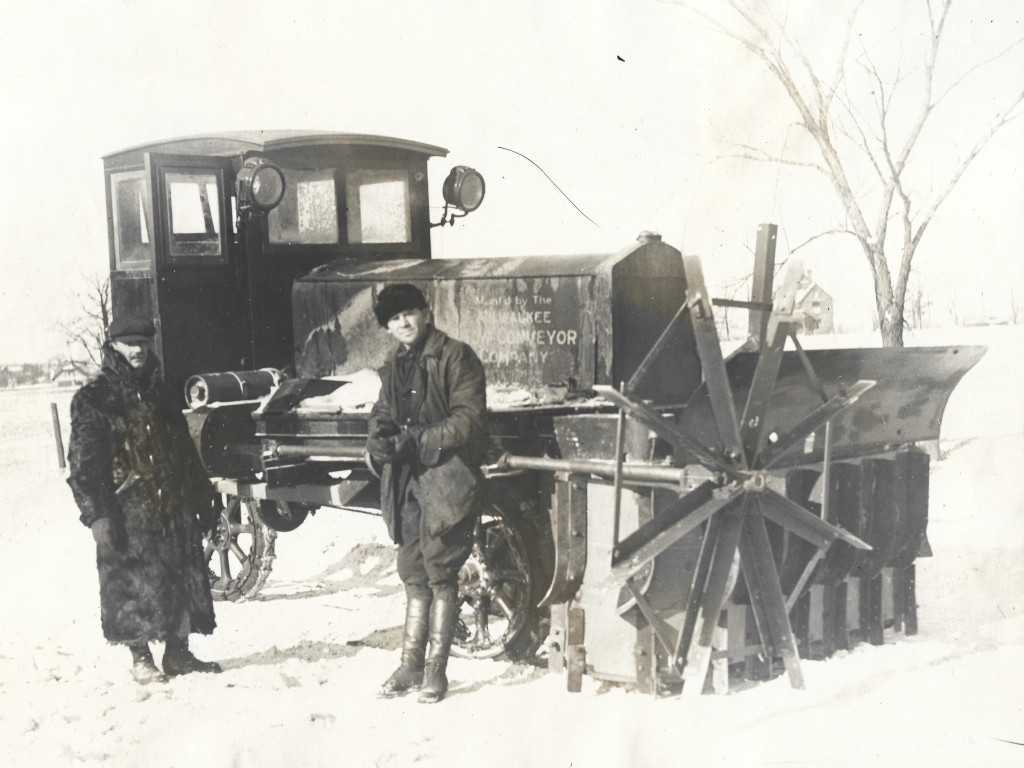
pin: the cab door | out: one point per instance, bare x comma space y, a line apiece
200, 290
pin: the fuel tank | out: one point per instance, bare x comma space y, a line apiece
541, 325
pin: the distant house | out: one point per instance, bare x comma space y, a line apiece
812, 306
67, 375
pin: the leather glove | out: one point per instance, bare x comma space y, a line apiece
104, 534
385, 428
405, 447
381, 442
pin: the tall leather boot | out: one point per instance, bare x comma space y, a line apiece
144, 670
178, 659
409, 675
442, 625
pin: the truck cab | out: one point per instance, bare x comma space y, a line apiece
207, 233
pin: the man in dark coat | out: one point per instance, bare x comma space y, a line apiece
141, 488
427, 432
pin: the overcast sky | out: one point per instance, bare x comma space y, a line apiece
623, 104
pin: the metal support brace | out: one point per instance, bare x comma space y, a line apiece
569, 530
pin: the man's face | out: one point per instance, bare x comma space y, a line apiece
135, 351
409, 326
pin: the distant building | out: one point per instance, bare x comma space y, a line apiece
22, 374
67, 375
813, 306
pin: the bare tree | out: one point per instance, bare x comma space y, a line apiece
866, 120
86, 330
918, 305
1016, 310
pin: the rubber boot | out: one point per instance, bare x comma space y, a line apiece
409, 675
144, 670
178, 659
442, 624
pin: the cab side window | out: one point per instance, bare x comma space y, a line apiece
193, 207
133, 220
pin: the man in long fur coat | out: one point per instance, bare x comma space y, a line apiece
141, 488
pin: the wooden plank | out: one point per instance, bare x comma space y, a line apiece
673, 523
755, 416
761, 282
721, 579
835, 631
658, 424
720, 656
908, 589
709, 349
557, 635
803, 523
800, 618
763, 584
697, 583
783, 444
871, 609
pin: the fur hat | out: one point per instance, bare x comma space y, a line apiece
397, 298
127, 329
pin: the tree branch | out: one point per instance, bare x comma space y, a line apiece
1000, 120
826, 233
759, 155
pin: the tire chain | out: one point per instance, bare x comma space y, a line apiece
236, 592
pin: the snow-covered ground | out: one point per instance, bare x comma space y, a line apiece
302, 664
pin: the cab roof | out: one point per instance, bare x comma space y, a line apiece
236, 142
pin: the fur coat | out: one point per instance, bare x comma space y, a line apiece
132, 460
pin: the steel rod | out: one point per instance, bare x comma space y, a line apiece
307, 450
620, 434
602, 468
826, 476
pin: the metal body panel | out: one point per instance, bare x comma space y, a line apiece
238, 142
197, 297
610, 640
537, 323
904, 406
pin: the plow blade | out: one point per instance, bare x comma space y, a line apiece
912, 386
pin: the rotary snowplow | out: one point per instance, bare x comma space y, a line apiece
656, 510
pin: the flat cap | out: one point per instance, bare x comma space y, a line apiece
131, 329
396, 298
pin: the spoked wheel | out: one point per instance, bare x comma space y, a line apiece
497, 586
239, 550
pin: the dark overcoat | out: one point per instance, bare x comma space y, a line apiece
132, 460
448, 415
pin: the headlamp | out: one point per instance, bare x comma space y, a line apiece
260, 184
464, 188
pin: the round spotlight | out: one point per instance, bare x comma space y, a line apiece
464, 188
260, 184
